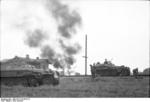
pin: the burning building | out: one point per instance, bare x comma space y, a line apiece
27, 62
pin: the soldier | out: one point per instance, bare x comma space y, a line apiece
92, 71
94, 64
98, 63
135, 72
105, 62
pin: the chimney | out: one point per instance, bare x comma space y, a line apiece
37, 58
27, 56
16, 57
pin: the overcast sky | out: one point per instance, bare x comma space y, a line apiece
116, 30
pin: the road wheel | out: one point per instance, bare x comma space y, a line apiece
33, 82
55, 82
47, 81
25, 83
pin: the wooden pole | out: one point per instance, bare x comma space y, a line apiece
85, 54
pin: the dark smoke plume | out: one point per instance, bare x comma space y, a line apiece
58, 60
35, 38
70, 50
67, 20
57, 64
48, 52
70, 60
51, 55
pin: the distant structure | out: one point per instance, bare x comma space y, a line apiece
20, 62
136, 73
146, 71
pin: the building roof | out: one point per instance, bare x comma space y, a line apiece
25, 60
20, 62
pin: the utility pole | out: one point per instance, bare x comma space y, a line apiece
85, 55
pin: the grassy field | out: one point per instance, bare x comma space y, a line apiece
84, 87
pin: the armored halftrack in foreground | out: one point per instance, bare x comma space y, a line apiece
27, 72
29, 77
109, 69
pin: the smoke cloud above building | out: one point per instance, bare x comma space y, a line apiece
50, 29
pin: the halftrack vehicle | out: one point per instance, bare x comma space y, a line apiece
27, 72
109, 69
29, 77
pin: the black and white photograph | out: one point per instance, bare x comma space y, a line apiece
74, 49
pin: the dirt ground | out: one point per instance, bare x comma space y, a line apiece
84, 87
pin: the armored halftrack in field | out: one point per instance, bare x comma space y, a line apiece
109, 69
29, 77
27, 73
